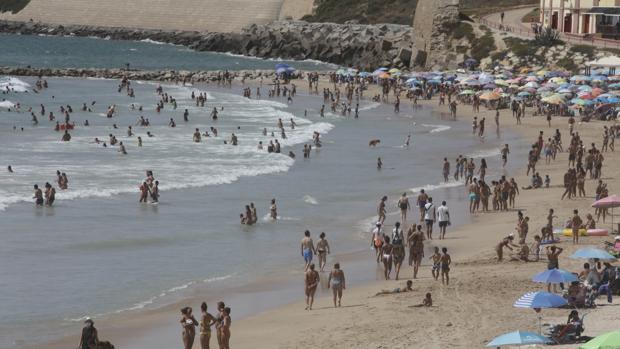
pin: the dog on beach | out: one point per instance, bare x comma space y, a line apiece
374, 142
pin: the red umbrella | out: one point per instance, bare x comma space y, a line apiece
608, 202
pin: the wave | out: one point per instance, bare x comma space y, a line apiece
436, 128
278, 59
154, 42
7, 104
484, 153
13, 84
430, 187
310, 200
369, 106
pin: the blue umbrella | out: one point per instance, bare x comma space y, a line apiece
592, 253
524, 94
540, 300
281, 70
281, 65
519, 338
555, 276
364, 74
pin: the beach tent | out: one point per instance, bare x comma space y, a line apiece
608, 202
518, 338
609, 340
592, 253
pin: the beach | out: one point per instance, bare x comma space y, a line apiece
145, 262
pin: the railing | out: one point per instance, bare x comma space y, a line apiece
570, 38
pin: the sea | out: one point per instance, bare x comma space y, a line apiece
99, 253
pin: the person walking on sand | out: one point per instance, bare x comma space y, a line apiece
430, 215
322, 249
381, 210
386, 257
89, 338
307, 249
206, 321
436, 258
416, 249
446, 260
403, 205
443, 215
336, 282
421, 201
311, 281
377, 240
189, 324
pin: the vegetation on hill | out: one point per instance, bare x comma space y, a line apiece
395, 11
13, 6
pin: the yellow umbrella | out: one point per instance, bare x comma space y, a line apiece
542, 72
394, 70
554, 99
501, 82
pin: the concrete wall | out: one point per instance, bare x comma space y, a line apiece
200, 15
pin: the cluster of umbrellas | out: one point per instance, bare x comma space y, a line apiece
282, 68
543, 300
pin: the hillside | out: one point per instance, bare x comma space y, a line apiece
395, 11
13, 6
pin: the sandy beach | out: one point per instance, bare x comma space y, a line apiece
478, 304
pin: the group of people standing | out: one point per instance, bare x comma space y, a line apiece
208, 323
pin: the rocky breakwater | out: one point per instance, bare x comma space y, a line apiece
356, 45
146, 75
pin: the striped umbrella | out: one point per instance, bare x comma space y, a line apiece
541, 299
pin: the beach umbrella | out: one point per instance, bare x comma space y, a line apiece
538, 300
585, 95
564, 90
468, 92
531, 78
557, 80
554, 99
597, 91
364, 74
281, 70
379, 71
611, 201
490, 96
524, 94
394, 70
580, 78
555, 276
581, 102
518, 338
383, 75
592, 253
584, 88
599, 78
532, 84
501, 82
614, 86
609, 340
489, 86
471, 83
281, 65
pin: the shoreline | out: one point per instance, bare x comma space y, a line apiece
260, 326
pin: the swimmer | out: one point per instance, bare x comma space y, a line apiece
10, 169
121, 149
197, 137
273, 210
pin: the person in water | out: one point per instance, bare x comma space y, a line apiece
38, 195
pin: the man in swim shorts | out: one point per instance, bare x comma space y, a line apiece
307, 249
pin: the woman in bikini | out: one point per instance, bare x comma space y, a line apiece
336, 282
386, 257
188, 323
205, 326
398, 256
322, 248
225, 328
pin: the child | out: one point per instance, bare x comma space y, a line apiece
547, 181
436, 257
445, 266
426, 302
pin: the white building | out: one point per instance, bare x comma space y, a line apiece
580, 17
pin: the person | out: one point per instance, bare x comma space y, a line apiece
188, 323
403, 204
144, 192
416, 249
426, 302
407, 288
50, 194
398, 254
89, 338
155, 192
430, 215
10, 169
307, 249
122, 149
38, 195
225, 328
322, 249
381, 210
273, 210
446, 260
446, 170
505, 151
436, 258
386, 252
506, 242
553, 252
443, 215
311, 281
219, 322
336, 282
206, 321
576, 224
377, 240
421, 201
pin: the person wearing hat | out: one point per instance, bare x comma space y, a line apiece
89, 339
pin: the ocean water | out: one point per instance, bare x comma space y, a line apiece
84, 52
99, 253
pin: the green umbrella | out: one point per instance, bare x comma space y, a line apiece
610, 340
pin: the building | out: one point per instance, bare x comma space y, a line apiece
582, 17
